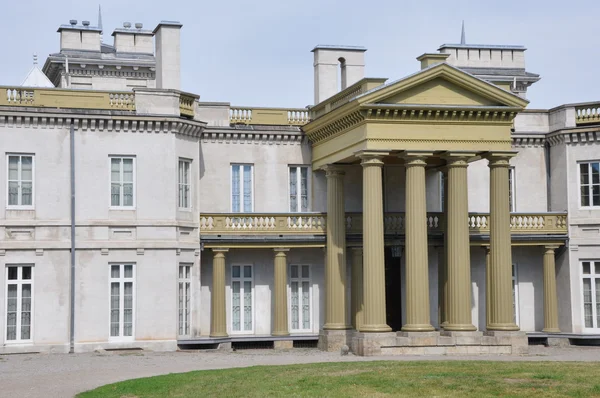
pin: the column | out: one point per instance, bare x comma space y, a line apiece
280, 319
374, 316
458, 315
443, 257
218, 320
417, 263
357, 287
487, 285
335, 270
441, 250
550, 298
500, 276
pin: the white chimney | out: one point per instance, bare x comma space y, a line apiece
349, 60
167, 43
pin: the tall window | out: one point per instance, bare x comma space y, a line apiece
511, 189
184, 297
300, 297
591, 293
241, 188
515, 288
20, 181
122, 296
19, 299
589, 184
184, 184
298, 189
122, 182
241, 298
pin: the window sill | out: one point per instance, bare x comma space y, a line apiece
20, 208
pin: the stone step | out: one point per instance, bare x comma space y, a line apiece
447, 350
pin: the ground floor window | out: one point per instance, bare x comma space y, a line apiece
300, 297
19, 300
591, 293
122, 300
184, 298
242, 298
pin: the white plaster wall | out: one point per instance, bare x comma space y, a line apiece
559, 189
262, 261
530, 180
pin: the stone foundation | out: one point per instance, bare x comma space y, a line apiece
283, 344
334, 340
369, 344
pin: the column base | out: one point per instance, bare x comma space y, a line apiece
517, 340
460, 327
503, 327
218, 335
280, 334
551, 330
334, 340
375, 329
283, 344
336, 326
369, 344
418, 328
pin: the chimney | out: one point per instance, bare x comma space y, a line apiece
348, 60
79, 37
167, 43
133, 40
430, 59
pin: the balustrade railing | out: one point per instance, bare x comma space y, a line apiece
269, 116
394, 223
186, 105
63, 98
587, 113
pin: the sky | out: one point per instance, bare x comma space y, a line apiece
257, 53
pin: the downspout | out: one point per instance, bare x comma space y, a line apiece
72, 304
548, 175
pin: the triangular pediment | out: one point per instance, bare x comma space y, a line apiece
443, 85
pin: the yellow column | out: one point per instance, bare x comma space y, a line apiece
500, 277
374, 317
443, 259
417, 263
335, 270
218, 320
458, 314
357, 287
550, 298
280, 321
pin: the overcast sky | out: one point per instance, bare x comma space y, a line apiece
258, 53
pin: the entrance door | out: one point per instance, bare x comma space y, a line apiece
393, 298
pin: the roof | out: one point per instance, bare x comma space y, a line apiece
484, 46
337, 47
36, 78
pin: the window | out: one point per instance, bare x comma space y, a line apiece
511, 189
241, 188
184, 296
19, 300
298, 189
591, 293
241, 298
515, 289
122, 181
184, 184
20, 181
122, 296
300, 297
589, 183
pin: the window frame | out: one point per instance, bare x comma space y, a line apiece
121, 280
191, 298
189, 184
19, 283
241, 279
121, 194
299, 167
593, 276
20, 180
310, 295
590, 185
241, 187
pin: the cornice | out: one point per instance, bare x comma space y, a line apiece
574, 137
232, 136
528, 141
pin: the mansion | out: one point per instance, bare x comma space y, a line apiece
432, 214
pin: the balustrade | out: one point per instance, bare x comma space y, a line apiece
269, 116
69, 99
588, 113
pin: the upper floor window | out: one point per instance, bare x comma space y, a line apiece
184, 184
589, 184
298, 189
20, 181
122, 182
241, 188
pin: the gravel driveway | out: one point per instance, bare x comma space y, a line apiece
63, 375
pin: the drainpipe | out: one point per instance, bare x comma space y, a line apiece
72, 304
548, 176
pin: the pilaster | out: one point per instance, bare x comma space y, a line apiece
280, 321
550, 297
218, 314
373, 242
417, 264
500, 276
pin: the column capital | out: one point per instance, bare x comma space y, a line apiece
371, 158
499, 158
333, 170
415, 158
457, 158
551, 248
281, 251
219, 251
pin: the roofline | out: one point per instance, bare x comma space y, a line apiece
175, 24
133, 32
339, 47
72, 27
484, 46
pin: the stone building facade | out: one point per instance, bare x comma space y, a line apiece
430, 214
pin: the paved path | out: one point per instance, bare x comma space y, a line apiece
63, 375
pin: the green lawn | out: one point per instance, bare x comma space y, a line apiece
372, 379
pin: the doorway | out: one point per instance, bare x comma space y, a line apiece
393, 296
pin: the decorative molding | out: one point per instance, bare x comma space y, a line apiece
2, 252
140, 252
254, 137
135, 74
574, 137
39, 252
104, 252
528, 141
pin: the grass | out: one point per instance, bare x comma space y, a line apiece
372, 379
